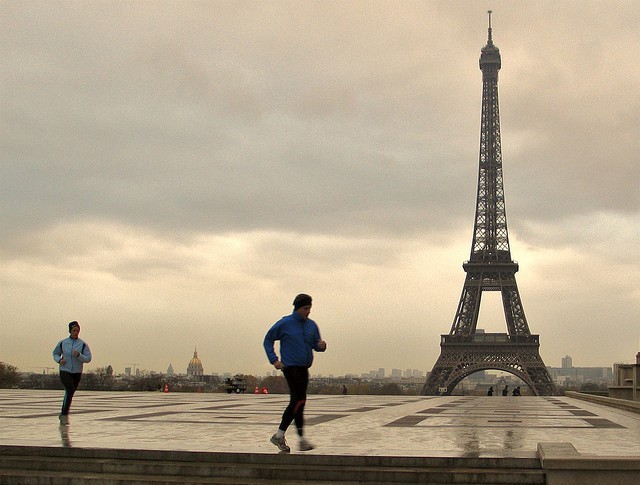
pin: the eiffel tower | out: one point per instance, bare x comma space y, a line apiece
464, 350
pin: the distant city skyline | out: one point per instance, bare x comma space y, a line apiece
386, 372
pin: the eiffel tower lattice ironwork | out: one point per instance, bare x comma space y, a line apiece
465, 351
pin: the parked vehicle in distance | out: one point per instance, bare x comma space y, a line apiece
237, 384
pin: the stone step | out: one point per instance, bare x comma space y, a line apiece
43, 452
32, 465
26, 477
284, 475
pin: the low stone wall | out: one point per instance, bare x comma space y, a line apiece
563, 465
633, 406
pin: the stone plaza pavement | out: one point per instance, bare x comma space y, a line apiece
463, 426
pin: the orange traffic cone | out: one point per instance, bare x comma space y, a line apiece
257, 391
166, 388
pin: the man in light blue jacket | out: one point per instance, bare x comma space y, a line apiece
299, 337
71, 353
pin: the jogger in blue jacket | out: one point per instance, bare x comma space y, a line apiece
299, 337
71, 354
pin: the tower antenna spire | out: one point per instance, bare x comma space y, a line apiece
490, 41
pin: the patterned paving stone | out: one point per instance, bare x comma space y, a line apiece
345, 425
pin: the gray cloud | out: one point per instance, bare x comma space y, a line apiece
165, 163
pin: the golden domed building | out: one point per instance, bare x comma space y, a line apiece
194, 369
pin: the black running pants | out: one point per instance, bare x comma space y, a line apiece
70, 382
298, 380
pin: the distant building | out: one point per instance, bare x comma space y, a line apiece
194, 369
567, 362
170, 371
626, 381
575, 375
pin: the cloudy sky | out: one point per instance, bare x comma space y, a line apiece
174, 173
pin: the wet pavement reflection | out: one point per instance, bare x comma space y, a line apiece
337, 425
64, 435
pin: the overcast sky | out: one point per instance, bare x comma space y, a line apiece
174, 173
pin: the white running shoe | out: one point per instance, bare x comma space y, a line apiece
280, 443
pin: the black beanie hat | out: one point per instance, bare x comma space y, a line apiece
301, 300
73, 324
